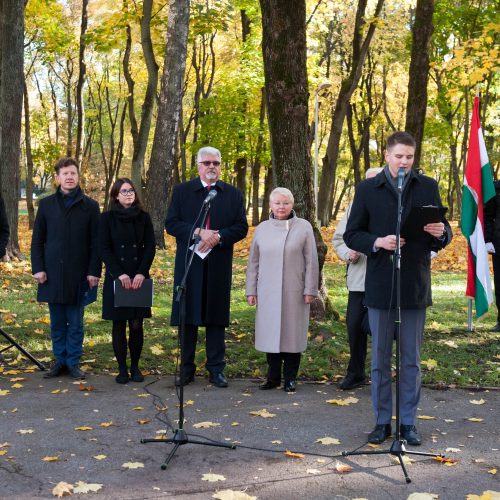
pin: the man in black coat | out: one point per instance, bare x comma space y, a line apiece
65, 263
209, 281
4, 229
371, 229
492, 240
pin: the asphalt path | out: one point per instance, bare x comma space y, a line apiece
39, 420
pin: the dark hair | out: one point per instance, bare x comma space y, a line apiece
400, 138
115, 190
66, 162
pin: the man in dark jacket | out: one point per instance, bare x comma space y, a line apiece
65, 263
209, 281
4, 229
371, 230
492, 240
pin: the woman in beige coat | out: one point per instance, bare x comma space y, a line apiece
282, 280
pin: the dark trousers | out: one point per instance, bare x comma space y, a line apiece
496, 280
290, 362
215, 349
357, 330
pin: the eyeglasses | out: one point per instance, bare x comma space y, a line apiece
208, 163
127, 192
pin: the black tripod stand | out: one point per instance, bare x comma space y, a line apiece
180, 436
13, 343
398, 447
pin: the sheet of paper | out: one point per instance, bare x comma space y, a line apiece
201, 255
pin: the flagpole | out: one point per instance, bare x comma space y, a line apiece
470, 327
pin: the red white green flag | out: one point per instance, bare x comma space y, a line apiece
477, 189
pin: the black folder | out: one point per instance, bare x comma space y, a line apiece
141, 297
413, 226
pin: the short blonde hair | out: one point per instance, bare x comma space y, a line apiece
283, 191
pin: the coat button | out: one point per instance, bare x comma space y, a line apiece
123, 246
135, 258
122, 258
135, 246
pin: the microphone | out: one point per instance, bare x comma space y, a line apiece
210, 196
401, 178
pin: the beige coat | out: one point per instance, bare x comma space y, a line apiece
282, 268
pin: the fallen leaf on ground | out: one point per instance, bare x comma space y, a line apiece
430, 364
17, 386
106, 424
327, 440
453, 450
425, 417
4, 392
492, 471
477, 401
474, 419
4, 445
50, 459
85, 387
232, 495
487, 495
3, 452
262, 413
100, 457
313, 471
157, 350
212, 478
406, 460
83, 428
292, 454
234, 424
55, 391
423, 496
138, 408
340, 467
133, 465
17, 379
62, 489
276, 441
82, 487
144, 421
445, 460
205, 425
25, 431
342, 402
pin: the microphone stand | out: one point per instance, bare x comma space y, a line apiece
398, 447
180, 436
13, 343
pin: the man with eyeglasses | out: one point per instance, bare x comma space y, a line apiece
209, 282
66, 265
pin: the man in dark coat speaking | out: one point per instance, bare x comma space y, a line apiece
208, 285
371, 229
4, 229
65, 263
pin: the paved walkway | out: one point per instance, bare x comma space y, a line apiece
39, 420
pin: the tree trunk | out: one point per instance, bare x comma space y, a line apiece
285, 71
359, 51
166, 140
257, 163
268, 187
29, 159
416, 106
11, 109
79, 86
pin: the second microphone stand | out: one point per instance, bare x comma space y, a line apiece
180, 436
398, 447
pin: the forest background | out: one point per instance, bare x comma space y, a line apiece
134, 88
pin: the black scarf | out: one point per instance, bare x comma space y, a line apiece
126, 214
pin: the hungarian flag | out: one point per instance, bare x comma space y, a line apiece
478, 189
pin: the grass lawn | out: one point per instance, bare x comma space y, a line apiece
450, 355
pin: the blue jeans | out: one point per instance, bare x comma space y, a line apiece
66, 330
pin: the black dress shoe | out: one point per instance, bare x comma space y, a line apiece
351, 381
410, 435
184, 380
136, 375
75, 372
290, 385
55, 371
218, 379
380, 433
269, 384
122, 377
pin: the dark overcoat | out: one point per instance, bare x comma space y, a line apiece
126, 246
64, 245
373, 214
4, 229
213, 277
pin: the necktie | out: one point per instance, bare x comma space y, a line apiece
207, 220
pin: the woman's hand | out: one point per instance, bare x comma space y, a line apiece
125, 279
252, 300
308, 299
138, 280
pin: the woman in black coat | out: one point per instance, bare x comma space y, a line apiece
127, 247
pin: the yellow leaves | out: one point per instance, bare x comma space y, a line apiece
25, 431
406, 460
82, 487
477, 401
83, 428
453, 450
343, 402
4, 392
445, 460
423, 496
474, 419
138, 408
262, 413
492, 472
144, 421
50, 459
212, 478
277, 441
133, 465
232, 495
425, 417
487, 495
62, 489
342, 468
17, 379
157, 350
100, 457
292, 454
106, 424
327, 440
430, 363
205, 425
17, 386
235, 424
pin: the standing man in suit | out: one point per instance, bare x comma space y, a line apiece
65, 263
371, 230
208, 285
4, 229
